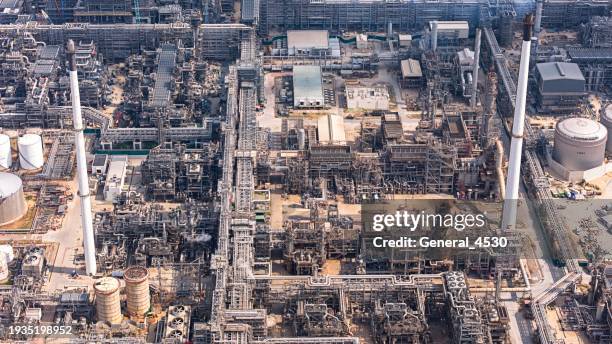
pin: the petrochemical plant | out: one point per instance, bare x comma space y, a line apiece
207, 171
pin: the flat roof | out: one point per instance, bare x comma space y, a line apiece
100, 160
405, 37
307, 39
411, 69
307, 83
163, 78
367, 98
116, 170
451, 25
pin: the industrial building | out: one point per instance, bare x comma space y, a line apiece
561, 87
412, 76
307, 87
367, 98
308, 42
225, 156
115, 178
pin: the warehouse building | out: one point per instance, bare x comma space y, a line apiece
412, 75
307, 87
115, 178
560, 88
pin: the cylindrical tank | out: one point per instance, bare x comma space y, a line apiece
108, 300
137, 290
30, 152
7, 252
4, 270
601, 305
301, 134
6, 160
606, 120
580, 143
12, 202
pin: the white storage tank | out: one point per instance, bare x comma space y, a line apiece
30, 152
580, 143
6, 160
12, 201
606, 120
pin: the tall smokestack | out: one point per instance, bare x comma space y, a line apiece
475, 69
536, 31
537, 26
434, 35
518, 125
86, 220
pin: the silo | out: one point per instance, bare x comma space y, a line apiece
108, 300
606, 120
30, 152
6, 160
137, 290
580, 143
12, 202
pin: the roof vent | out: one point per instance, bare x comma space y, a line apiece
560, 69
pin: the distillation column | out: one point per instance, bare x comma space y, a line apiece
475, 69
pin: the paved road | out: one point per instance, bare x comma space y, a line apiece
70, 240
520, 327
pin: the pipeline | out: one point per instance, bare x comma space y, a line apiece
499, 161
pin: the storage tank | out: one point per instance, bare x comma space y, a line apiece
137, 290
6, 160
606, 120
12, 202
108, 300
580, 143
30, 152
4, 270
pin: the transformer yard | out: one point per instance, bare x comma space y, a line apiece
213, 171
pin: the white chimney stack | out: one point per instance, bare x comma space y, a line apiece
434, 35
77, 119
518, 126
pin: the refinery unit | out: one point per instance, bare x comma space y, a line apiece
198, 171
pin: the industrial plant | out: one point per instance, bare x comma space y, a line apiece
235, 172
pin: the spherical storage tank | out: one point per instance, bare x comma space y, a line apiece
30, 152
580, 143
6, 160
12, 202
606, 120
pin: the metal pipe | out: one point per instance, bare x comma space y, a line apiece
518, 126
499, 159
475, 69
434, 35
77, 119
